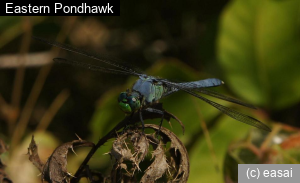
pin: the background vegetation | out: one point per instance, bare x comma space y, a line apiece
252, 45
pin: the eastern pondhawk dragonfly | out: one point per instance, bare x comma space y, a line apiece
148, 90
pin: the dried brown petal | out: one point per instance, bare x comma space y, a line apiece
34, 156
158, 167
120, 150
179, 156
141, 146
55, 169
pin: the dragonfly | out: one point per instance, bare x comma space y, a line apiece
148, 90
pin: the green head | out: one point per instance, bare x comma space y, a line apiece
128, 102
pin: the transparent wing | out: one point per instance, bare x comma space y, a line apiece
234, 114
230, 112
102, 58
201, 85
223, 97
92, 67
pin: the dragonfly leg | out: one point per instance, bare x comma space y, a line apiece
161, 121
158, 112
142, 121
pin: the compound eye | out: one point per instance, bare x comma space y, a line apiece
122, 96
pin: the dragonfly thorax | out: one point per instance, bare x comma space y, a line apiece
129, 101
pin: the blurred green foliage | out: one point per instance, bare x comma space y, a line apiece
259, 50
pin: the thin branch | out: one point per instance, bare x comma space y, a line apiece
19, 77
36, 90
51, 112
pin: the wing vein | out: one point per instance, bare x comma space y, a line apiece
87, 54
230, 112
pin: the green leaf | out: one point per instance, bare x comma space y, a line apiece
203, 168
259, 49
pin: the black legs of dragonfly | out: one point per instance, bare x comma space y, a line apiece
142, 121
152, 110
141, 118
